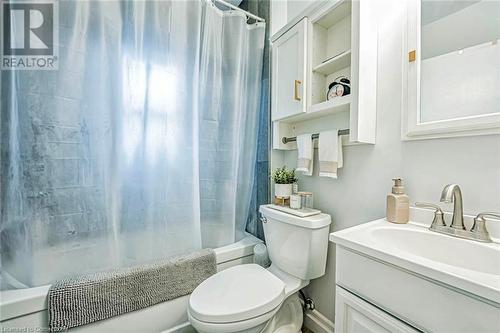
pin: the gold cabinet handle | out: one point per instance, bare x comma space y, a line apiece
412, 56
296, 95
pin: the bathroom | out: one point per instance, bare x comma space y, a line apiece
147, 150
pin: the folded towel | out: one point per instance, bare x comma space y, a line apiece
305, 150
92, 297
330, 153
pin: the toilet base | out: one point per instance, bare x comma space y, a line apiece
289, 317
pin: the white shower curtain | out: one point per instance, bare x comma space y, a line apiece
141, 146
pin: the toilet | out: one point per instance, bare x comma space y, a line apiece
249, 298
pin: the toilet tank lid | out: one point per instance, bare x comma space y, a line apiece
311, 222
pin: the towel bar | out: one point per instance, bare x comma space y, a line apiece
285, 140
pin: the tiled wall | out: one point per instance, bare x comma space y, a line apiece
46, 157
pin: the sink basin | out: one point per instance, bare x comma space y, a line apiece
470, 255
464, 264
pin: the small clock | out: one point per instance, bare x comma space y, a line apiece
341, 86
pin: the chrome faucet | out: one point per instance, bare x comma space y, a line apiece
452, 193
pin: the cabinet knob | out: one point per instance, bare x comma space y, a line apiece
296, 94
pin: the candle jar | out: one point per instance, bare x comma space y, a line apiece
306, 199
295, 201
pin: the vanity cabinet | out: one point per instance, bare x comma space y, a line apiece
375, 294
289, 72
336, 39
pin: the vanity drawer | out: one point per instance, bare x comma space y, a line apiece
421, 302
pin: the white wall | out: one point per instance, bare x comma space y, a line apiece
359, 194
283, 11
279, 17
294, 7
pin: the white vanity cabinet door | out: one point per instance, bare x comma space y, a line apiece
354, 315
289, 72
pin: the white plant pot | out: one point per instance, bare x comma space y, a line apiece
282, 190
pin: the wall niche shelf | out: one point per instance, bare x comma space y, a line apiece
334, 64
336, 105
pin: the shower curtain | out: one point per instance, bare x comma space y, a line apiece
142, 145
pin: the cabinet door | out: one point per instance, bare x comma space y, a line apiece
354, 315
289, 72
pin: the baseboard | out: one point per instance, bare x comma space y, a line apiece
313, 320
318, 323
182, 328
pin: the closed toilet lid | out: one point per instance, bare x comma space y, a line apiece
237, 293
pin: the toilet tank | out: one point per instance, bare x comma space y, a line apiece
296, 245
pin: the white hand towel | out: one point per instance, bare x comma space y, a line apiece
330, 153
305, 150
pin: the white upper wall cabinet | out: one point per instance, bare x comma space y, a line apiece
332, 40
289, 72
451, 69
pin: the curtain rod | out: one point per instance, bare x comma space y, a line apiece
250, 15
285, 140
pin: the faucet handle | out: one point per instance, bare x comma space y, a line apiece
428, 205
479, 226
438, 214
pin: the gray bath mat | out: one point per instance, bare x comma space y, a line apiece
88, 298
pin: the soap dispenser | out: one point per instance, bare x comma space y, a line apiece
398, 203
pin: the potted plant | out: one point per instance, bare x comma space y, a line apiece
283, 181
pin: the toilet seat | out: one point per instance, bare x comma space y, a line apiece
232, 327
237, 294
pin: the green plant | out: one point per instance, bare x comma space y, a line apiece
284, 176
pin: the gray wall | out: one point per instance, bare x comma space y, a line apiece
359, 194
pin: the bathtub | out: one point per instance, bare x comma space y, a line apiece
25, 310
